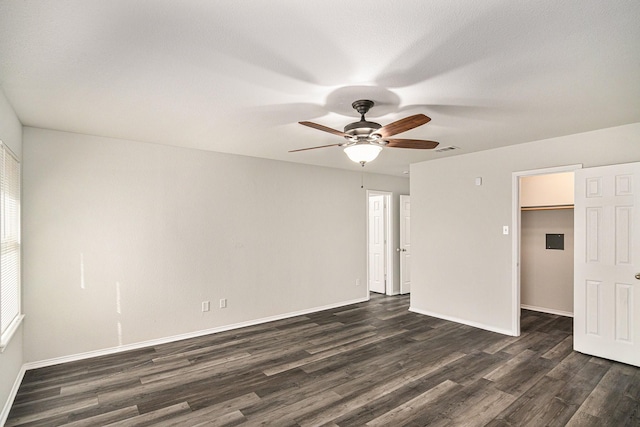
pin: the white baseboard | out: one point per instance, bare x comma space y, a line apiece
14, 391
165, 340
546, 310
463, 321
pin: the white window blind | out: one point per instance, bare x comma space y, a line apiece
9, 243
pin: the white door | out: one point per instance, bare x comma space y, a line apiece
376, 244
607, 262
405, 244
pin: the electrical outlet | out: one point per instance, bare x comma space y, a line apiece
223, 303
206, 306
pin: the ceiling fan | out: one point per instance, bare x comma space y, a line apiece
364, 139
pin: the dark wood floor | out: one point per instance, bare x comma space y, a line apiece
372, 363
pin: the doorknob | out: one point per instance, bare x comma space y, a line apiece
638, 276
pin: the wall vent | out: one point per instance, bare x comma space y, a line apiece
447, 148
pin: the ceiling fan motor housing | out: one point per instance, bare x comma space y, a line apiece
362, 129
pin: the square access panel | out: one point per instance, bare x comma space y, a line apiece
555, 241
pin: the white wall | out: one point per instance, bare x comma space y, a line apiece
124, 240
546, 275
11, 359
462, 267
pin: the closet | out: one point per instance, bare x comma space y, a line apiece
546, 243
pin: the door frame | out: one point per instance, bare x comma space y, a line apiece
388, 236
400, 237
515, 236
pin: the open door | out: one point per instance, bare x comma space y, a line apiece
405, 244
607, 262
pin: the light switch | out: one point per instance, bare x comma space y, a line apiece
505, 229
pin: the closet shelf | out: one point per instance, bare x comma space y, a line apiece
545, 208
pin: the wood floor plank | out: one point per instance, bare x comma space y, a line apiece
332, 352
580, 385
120, 378
38, 414
500, 344
339, 342
537, 404
372, 363
189, 354
605, 397
288, 393
560, 350
192, 368
478, 405
568, 366
37, 395
229, 419
354, 397
510, 365
227, 412
517, 382
582, 419
153, 418
106, 418
284, 414
409, 409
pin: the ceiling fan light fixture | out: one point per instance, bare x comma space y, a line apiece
362, 153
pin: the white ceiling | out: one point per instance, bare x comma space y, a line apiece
236, 76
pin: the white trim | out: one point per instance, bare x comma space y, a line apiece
547, 310
400, 243
462, 321
138, 345
388, 225
8, 334
515, 237
12, 396
388, 211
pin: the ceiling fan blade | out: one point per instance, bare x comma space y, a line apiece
313, 148
403, 125
411, 143
324, 128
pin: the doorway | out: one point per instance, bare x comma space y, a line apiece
379, 240
517, 236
